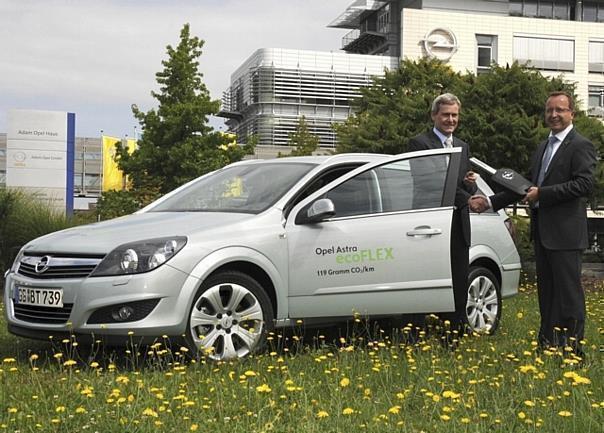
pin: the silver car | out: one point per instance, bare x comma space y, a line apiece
261, 244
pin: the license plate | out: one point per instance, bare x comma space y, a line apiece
39, 296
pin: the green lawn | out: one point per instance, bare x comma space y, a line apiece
488, 384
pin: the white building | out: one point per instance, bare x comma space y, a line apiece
273, 87
555, 36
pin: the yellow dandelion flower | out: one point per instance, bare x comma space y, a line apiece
344, 382
263, 388
565, 413
322, 414
436, 398
529, 403
33, 357
94, 364
445, 417
465, 420
394, 410
483, 415
69, 363
194, 427
451, 394
150, 412
9, 360
527, 369
12, 410
521, 415
59, 409
80, 409
347, 411
58, 355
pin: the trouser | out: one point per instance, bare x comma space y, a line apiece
460, 253
561, 296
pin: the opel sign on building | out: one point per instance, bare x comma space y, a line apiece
440, 43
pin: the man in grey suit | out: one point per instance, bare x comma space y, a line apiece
445, 112
563, 171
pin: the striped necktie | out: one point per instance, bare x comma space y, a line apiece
547, 158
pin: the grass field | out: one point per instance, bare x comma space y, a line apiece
356, 384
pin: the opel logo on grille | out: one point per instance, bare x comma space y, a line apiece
42, 265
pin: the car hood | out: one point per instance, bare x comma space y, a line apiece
101, 238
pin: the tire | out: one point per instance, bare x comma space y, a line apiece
483, 309
229, 318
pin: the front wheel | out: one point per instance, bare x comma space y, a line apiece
483, 309
230, 317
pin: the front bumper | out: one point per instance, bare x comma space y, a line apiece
170, 288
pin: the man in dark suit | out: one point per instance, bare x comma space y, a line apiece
562, 169
445, 115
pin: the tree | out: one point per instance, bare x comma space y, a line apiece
177, 143
502, 116
502, 113
396, 107
303, 141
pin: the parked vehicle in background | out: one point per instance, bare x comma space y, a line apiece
261, 244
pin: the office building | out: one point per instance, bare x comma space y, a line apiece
273, 88
554, 36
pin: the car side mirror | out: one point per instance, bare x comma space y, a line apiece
317, 211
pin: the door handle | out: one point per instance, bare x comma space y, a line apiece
424, 231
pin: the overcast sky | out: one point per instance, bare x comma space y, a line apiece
98, 57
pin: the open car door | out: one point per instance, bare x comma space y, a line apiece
376, 240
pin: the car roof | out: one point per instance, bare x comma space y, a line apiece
318, 159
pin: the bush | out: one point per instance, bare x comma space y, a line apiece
524, 245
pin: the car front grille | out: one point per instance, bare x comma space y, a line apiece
35, 314
51, 266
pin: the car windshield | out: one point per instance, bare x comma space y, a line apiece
246, 188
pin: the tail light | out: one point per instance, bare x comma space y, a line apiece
509, 224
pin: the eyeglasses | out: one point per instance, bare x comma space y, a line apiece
557, 110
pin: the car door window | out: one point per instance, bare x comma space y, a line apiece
417, 183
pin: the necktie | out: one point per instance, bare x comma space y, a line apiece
547, 157
448, 142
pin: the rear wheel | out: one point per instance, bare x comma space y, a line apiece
483, 309
230, 317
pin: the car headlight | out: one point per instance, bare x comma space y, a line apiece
17, 261
139, 257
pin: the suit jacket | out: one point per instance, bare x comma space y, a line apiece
461, 215
569, 180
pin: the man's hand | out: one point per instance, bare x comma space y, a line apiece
478, 203
532, 195
470, 177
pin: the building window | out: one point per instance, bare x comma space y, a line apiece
92, 181
383, 19
3, 153
595, 101
596, 56
91, 156
544, 53
486, 52
593, 12
2, 178
558, 9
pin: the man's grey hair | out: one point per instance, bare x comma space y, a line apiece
444, 99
